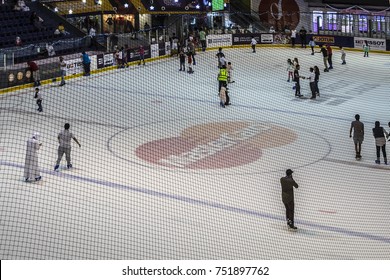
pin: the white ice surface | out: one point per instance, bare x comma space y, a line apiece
114, 205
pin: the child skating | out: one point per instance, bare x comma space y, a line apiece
38, 97
189, 61
229, 68
290, 70
182, 58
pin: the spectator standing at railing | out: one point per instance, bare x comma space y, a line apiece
86, 63
293, 37
36, 21
253, 44
33, 67
202, 38
92, 35
18, 41
302, 35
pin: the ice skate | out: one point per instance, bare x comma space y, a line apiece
378, 161
56, 167
38, 178
69, 166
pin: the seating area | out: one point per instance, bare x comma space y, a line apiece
18, 24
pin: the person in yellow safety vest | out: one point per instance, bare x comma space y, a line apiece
222, 77
222, 81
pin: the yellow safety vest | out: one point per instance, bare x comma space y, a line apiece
223, 75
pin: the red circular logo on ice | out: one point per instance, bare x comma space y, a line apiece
280, 14
216, 145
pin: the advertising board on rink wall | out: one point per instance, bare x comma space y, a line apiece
244, 39
223, 40
375, 44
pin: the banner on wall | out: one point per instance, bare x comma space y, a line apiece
245, 39
375, 44
133, 54
267, 38
324, 40
153, 50
222, 40
74, 66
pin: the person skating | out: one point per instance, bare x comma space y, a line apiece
380, 136
229, 69
312, 83
297, 78
182, 58
290, 70
325, 57
293, 37
312, 44
64, 140
63, 70
358, 135
330, 55
222, 77
316, 79
366, 48
141, 51
343, 55
219, 55
222, 96
38, 97
288, 184
33, 67
31, 168
189, 61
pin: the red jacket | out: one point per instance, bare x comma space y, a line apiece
33, 66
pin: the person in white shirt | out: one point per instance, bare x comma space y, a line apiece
63, 70
253, 44
312, 83
293, 37
64, 139
343, 54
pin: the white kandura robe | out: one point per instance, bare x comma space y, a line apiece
31, 168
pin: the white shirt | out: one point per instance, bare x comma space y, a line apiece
253, 42
63, 65
312, 77
65, 137
293, 33
92, 32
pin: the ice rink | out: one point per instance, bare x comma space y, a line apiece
163, 172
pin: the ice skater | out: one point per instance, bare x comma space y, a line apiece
31, 167
63, 70
219, 55
290, 70
182, 59
358, 135
380, 136
64, 139
222, 96
222, 77
312, 83
316, 79
343, 55
293, 37
312, 44
38, 97
33, 67
325, 57
189, 61
141, 51
366, 48
288, 184
229, 69
297, 78
330, 55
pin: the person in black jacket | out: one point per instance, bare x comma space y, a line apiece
288, 185
380, 142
